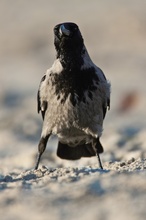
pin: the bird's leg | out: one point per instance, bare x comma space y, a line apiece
95, 148
41, 149
99, 161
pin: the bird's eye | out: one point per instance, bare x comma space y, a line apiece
75, 28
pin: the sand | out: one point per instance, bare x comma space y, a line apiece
114, 33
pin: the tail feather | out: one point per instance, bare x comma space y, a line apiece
74, 153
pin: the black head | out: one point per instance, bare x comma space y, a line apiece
68, 39
67, 29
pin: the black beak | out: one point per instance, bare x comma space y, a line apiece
64, 31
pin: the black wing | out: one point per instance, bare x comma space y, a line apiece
41, 106
38, 102
105, 108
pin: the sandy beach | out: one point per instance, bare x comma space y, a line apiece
115, 36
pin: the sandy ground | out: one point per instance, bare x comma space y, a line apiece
114, 33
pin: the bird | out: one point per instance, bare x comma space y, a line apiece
73, 98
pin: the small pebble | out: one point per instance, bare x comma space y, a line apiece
8, 178
122, 164
131, 160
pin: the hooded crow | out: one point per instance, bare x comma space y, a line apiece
73, 98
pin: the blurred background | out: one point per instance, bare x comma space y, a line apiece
115, 36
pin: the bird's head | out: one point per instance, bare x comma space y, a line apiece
68, 40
